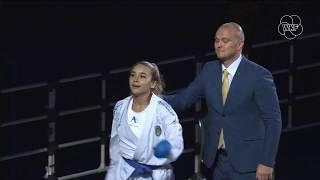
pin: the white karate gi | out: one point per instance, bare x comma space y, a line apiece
161, 123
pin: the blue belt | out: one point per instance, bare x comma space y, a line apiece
141, 169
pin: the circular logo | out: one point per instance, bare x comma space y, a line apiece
290, 26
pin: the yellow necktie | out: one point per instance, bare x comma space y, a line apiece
225, 86
225, 89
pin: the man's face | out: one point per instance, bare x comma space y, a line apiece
227, 44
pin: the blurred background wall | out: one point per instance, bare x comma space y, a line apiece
49, 43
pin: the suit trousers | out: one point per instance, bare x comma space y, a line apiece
224, 170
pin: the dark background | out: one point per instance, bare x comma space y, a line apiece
54, 39
44, 41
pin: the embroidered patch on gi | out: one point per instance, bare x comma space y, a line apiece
158, 130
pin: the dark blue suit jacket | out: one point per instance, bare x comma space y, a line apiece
250, 118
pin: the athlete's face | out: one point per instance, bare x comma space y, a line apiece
140, 80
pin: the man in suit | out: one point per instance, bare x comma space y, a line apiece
244, 119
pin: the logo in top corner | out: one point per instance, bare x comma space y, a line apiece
290, 26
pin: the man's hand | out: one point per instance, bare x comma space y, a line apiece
264, 172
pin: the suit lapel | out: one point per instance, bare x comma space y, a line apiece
216, 83
235, 85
